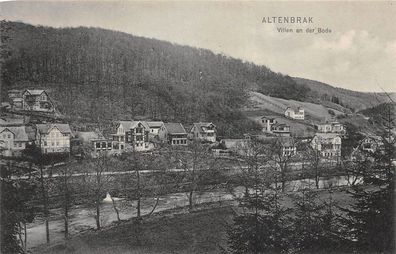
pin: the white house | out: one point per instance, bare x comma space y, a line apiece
298, 114
13, 140
204, 132
53, 138
154, 127
331, 127
328, 144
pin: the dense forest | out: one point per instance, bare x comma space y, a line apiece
100, 75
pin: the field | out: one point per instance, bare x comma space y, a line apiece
313, 111
175, 231
172, 231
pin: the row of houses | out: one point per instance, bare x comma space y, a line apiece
327, 137
15, 136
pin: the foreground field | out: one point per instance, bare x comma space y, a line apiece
170, 231
202, 231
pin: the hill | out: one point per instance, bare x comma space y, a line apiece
314, 112
101, 75
338, 98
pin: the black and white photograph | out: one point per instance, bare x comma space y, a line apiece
193, 127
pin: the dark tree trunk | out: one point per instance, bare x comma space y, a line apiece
45, 204
97, 214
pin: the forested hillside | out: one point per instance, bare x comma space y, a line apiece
102, 75
337, 98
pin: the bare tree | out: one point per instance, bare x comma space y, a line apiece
97, 179
66, 173
197, 162
282, 155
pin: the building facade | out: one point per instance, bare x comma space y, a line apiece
36, 100
132, 135
298, 114
331, 127
328, 144
53, 138
13, 140
173, 134
204, 132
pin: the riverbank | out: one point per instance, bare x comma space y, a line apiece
178, 221
173, 231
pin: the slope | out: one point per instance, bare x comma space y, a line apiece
335, 97
100, 75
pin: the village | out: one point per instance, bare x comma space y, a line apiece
20, 129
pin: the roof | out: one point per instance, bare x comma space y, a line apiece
155, 124
87, 136
132, 124
19, 132
270, 117
175, 128
327, 135
294, 109
11, 121
280, 125
233, 143
34, 91
200, 125
45, 128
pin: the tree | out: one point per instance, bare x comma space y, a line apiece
281, 158
315, 224
198, 166
96, 179
16, 210
66, 188
370, 220
263, 227
315, 164
263, 224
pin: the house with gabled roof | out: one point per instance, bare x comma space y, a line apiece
271, 125
333, 127
13, 140
36, 100
173, 134
53, 138
204, 132
132, 135
327, 144
295, 113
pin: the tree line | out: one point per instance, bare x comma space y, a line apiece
99, 75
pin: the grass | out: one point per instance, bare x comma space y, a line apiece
172, 231
202, 231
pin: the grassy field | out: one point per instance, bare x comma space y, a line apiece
172, 231
315, 112
202, 231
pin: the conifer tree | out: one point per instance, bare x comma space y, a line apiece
370, 220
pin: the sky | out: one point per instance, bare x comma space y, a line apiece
359, 53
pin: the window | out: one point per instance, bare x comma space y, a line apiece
19, 144
45, 143
57, 143
9, 135
52, 144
